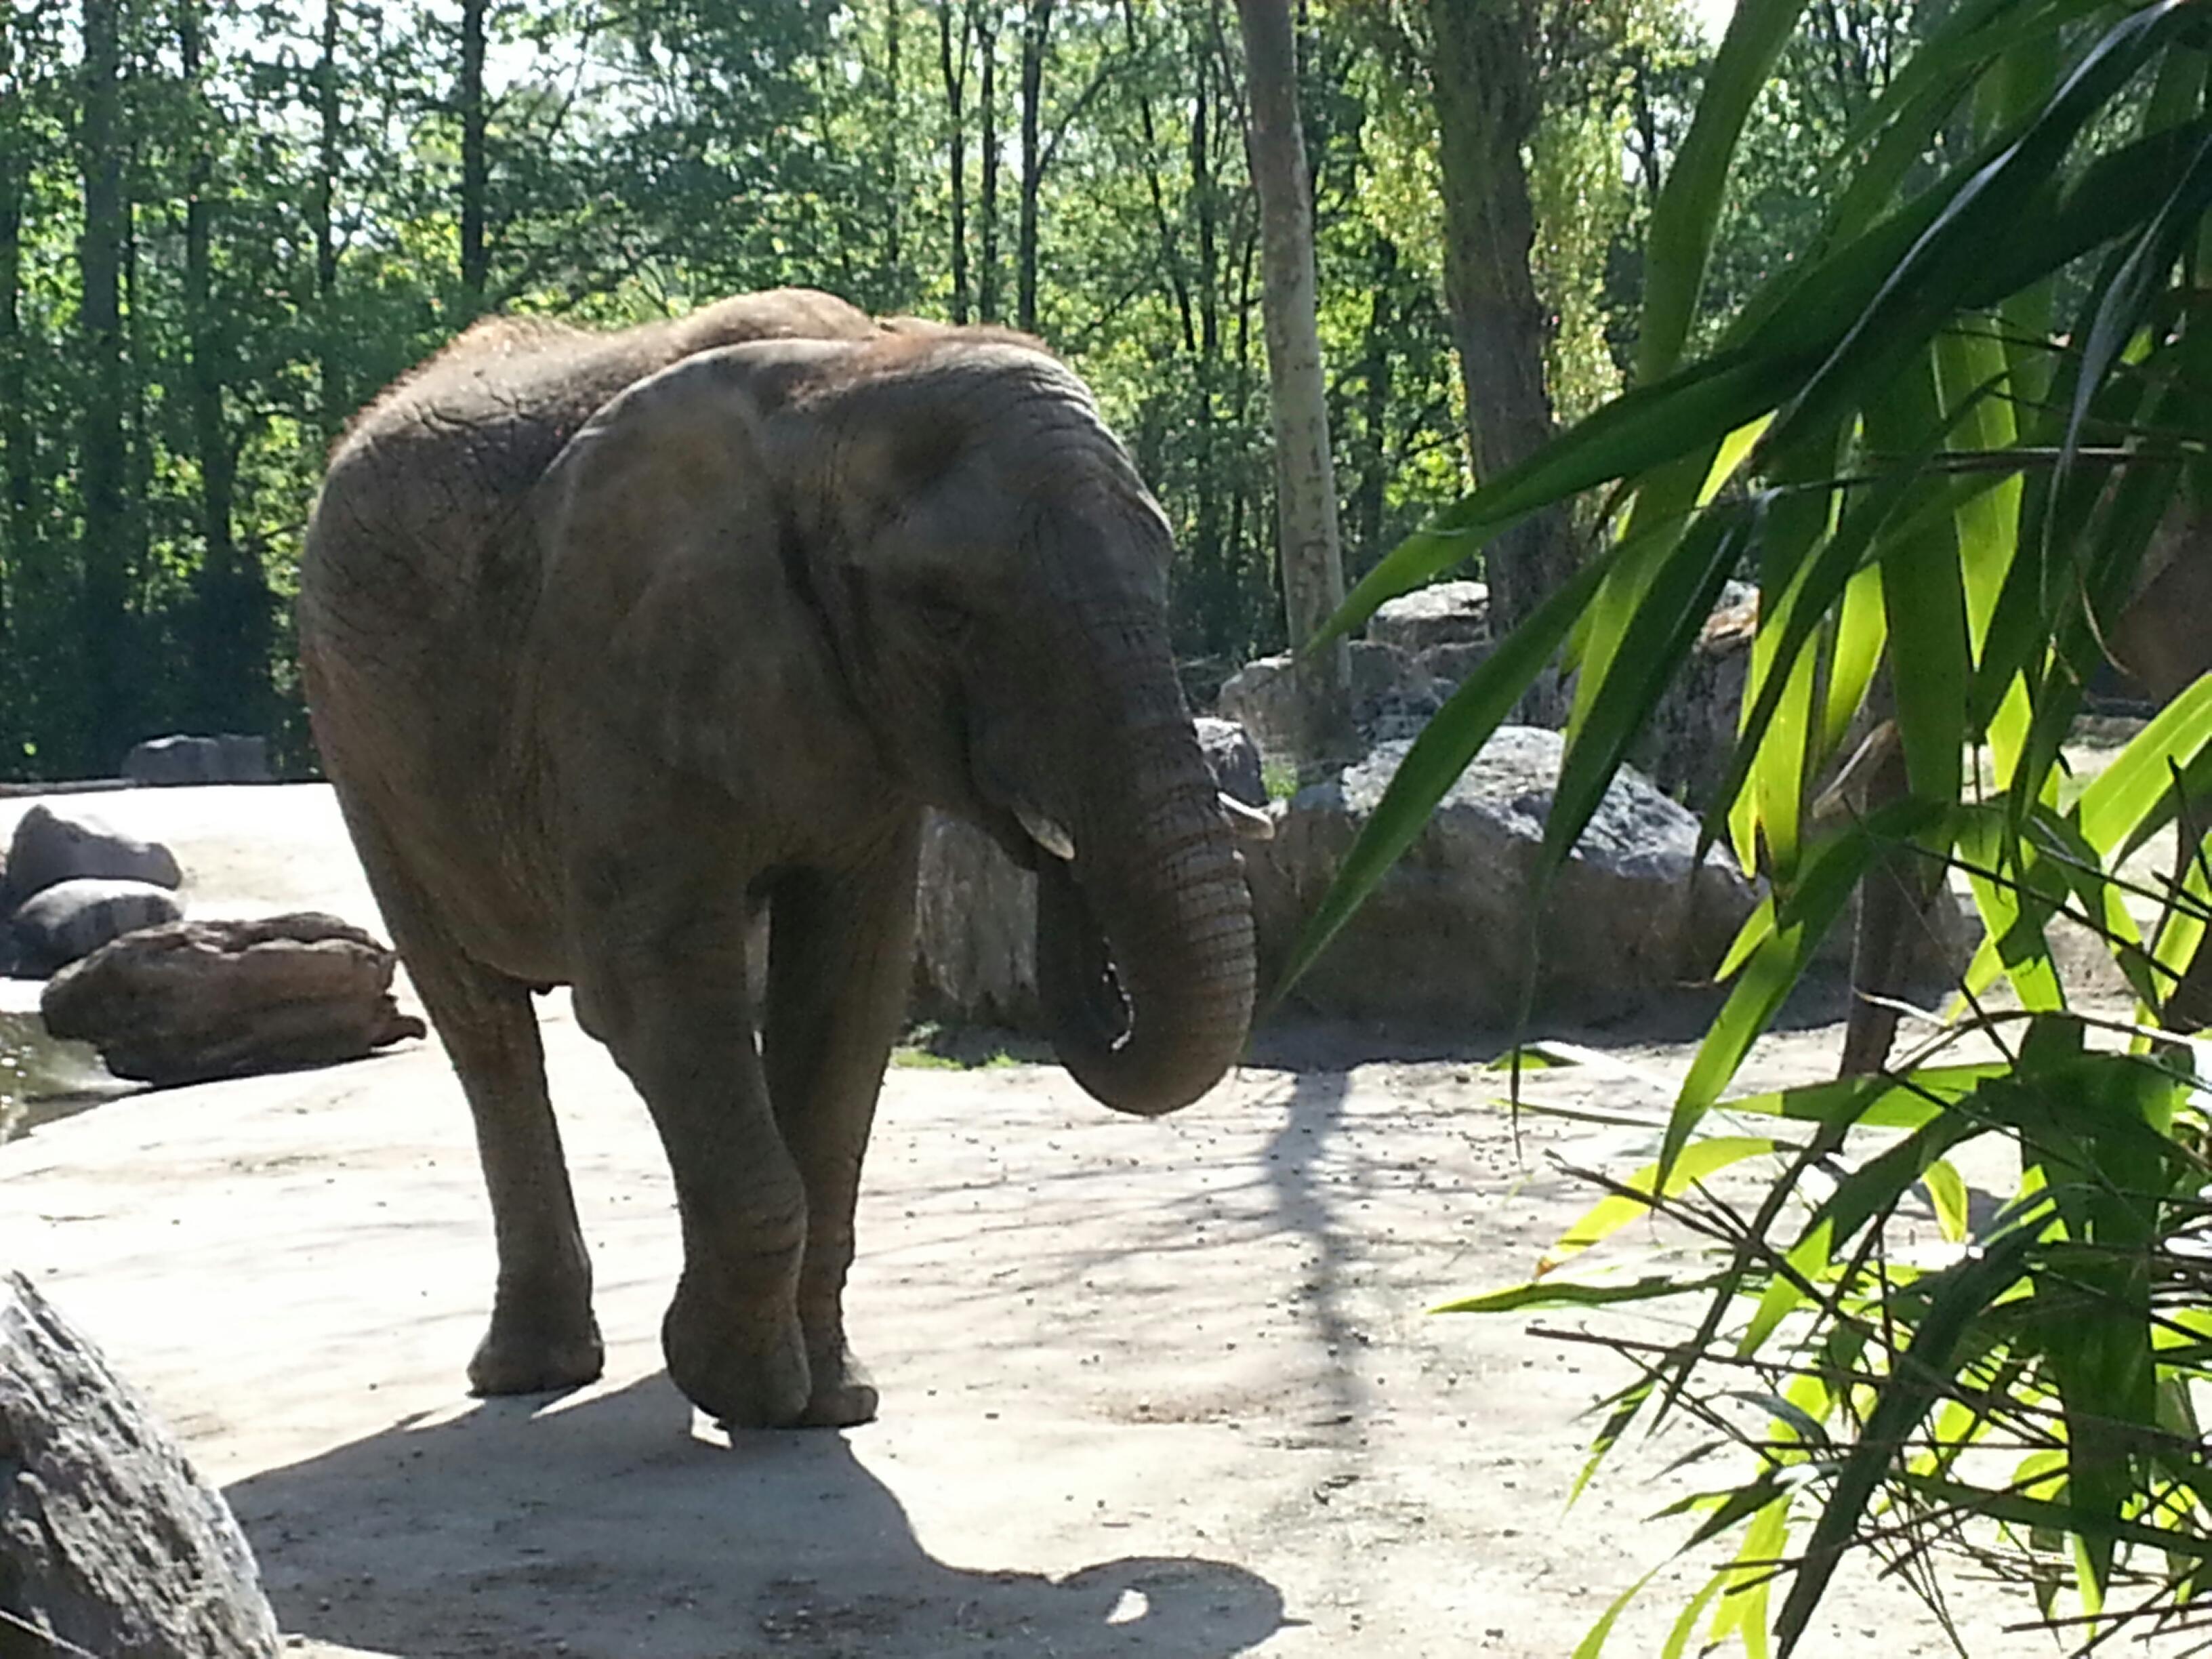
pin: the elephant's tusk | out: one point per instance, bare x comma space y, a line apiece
1246, 822
1047, 834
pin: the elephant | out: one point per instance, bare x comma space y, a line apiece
613, 640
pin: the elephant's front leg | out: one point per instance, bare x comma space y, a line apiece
662, 985
840, 959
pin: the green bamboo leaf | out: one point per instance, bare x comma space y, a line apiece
1566, 1293
2013, 911
1930, 657
2054, 1516
1593, 1644
1616, 1210
1742, 1611
1946, 1196
2132, 799
1678, 1640
1758, 927
1626, 1406
1905, 1102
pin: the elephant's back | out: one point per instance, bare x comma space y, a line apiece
422, 511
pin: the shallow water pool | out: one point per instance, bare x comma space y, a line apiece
43, 1079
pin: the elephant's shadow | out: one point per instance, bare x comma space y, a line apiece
601, 1529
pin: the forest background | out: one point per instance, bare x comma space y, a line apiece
224, 226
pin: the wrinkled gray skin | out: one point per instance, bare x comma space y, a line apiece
609, 640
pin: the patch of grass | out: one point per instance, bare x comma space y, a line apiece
930, 1046
1279, 779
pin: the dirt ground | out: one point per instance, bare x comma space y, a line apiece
1149, 1388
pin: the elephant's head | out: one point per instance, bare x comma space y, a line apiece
989, 576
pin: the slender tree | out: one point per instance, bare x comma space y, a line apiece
1036, 34
953, 71
330, 377
102, 444
984, 15
17, 464
1311, 562
230, 610
894, 151
476, 169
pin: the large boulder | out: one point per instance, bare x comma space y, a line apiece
975, 930
71, 919
1442, 613
187, 759
109, 1542
196, 1000
1445, 938
50, 847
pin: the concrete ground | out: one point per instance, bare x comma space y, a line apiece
1149, 1388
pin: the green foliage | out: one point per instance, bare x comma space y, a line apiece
639, 159
1942, 432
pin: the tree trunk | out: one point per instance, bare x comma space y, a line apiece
1487, 108
1213, 582
331, 376
986, 208
16, 504
226, 660
1036, 32
1367, 499
1170, 244
475, 176
956, 88
103, 454
1305, 474
893, 149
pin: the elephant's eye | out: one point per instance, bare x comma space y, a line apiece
942, 616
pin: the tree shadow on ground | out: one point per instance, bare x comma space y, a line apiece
600, 1528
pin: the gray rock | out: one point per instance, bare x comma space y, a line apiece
1684, 746
195, 1000
975, 930
71, 919
109, 1541
1445, 937
1452, 662
1442, 613
187, 760
1234, 759
49, 848
1261, 697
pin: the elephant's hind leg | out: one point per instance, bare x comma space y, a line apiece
543, 1336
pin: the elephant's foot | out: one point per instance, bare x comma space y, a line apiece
843, 1393
743, 1369
534, 1347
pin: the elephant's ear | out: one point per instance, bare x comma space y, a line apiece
668, 614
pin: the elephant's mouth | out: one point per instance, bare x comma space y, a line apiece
1076, 978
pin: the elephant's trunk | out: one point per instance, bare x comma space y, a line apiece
1145, 946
